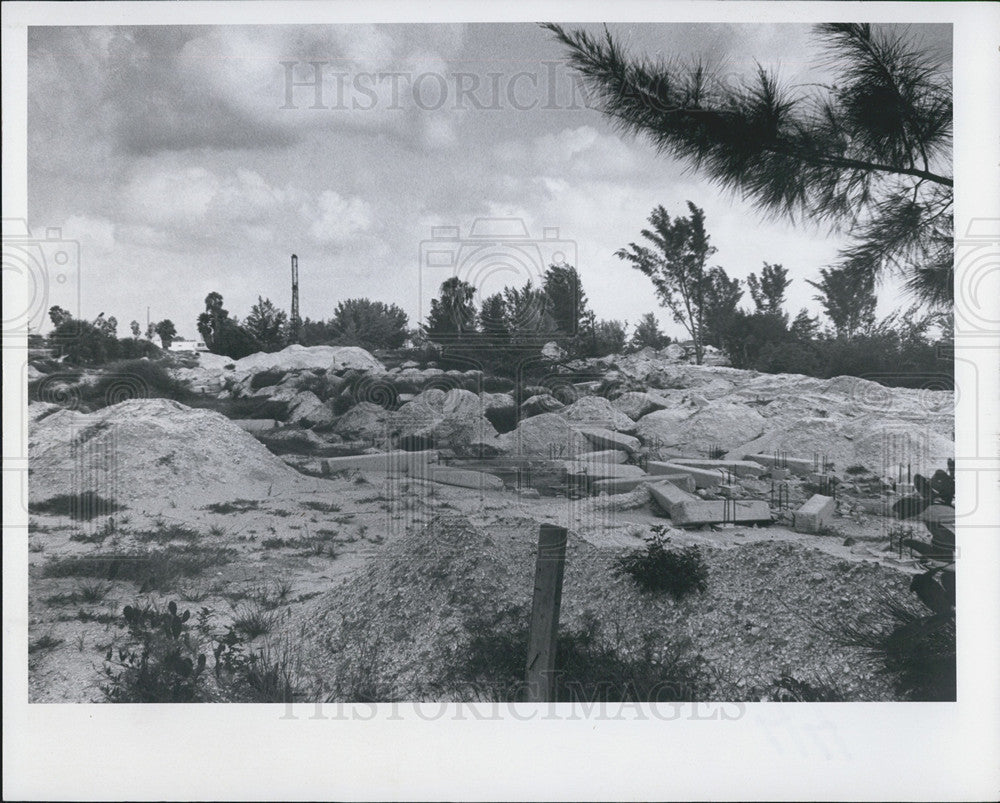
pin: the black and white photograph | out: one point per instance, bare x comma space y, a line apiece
369, 362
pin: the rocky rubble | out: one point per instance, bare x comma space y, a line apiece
672, 407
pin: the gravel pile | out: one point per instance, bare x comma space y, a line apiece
145, 450
771, 609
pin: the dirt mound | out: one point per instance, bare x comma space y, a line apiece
396, 630
380, 634
147, 453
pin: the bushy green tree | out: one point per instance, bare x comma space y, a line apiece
647, 333
59, 316
166, 331
768, 291
453, 314
805, 327
567, 303
720, 298
223, 334
267, 324
675, 261
369, 324
848, 300
606, 337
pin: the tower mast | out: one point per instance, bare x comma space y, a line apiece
295, 321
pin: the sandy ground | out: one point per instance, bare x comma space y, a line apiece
310, 535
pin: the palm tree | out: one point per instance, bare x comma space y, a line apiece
871, 153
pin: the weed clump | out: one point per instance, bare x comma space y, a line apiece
590, 665
163, 660
158, 569
82, 506
658, 569
161, 663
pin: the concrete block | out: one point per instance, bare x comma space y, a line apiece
607, 439
739, 468
814, 514
780, 474
255, 424
619, 486
797, 465
728, 491
719, 512
607, 456
683, 481
465, 479
604, 471
703, 478
396, 462
668, 496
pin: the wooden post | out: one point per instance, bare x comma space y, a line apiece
545, 612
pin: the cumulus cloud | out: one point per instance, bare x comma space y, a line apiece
339, 219
95, 234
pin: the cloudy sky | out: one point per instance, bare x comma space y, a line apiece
191, 159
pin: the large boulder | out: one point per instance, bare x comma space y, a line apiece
365, 421
721, 424
467, 436
296, 357
636, 404
307, 409
497, 401
547, 435
596, 411
452, 420
539, 404
461, 403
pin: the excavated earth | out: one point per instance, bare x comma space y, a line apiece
377, 577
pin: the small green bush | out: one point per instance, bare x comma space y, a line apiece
658, 569
134, 379
590, 666
155, 569
82, 506
236, 506
161, 661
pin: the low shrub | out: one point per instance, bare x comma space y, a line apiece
658, 569
158, 569
916, 650
163, 660
134, 379
44, 644
160, 662
82, 506
264, 675
590, 667
236, 506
